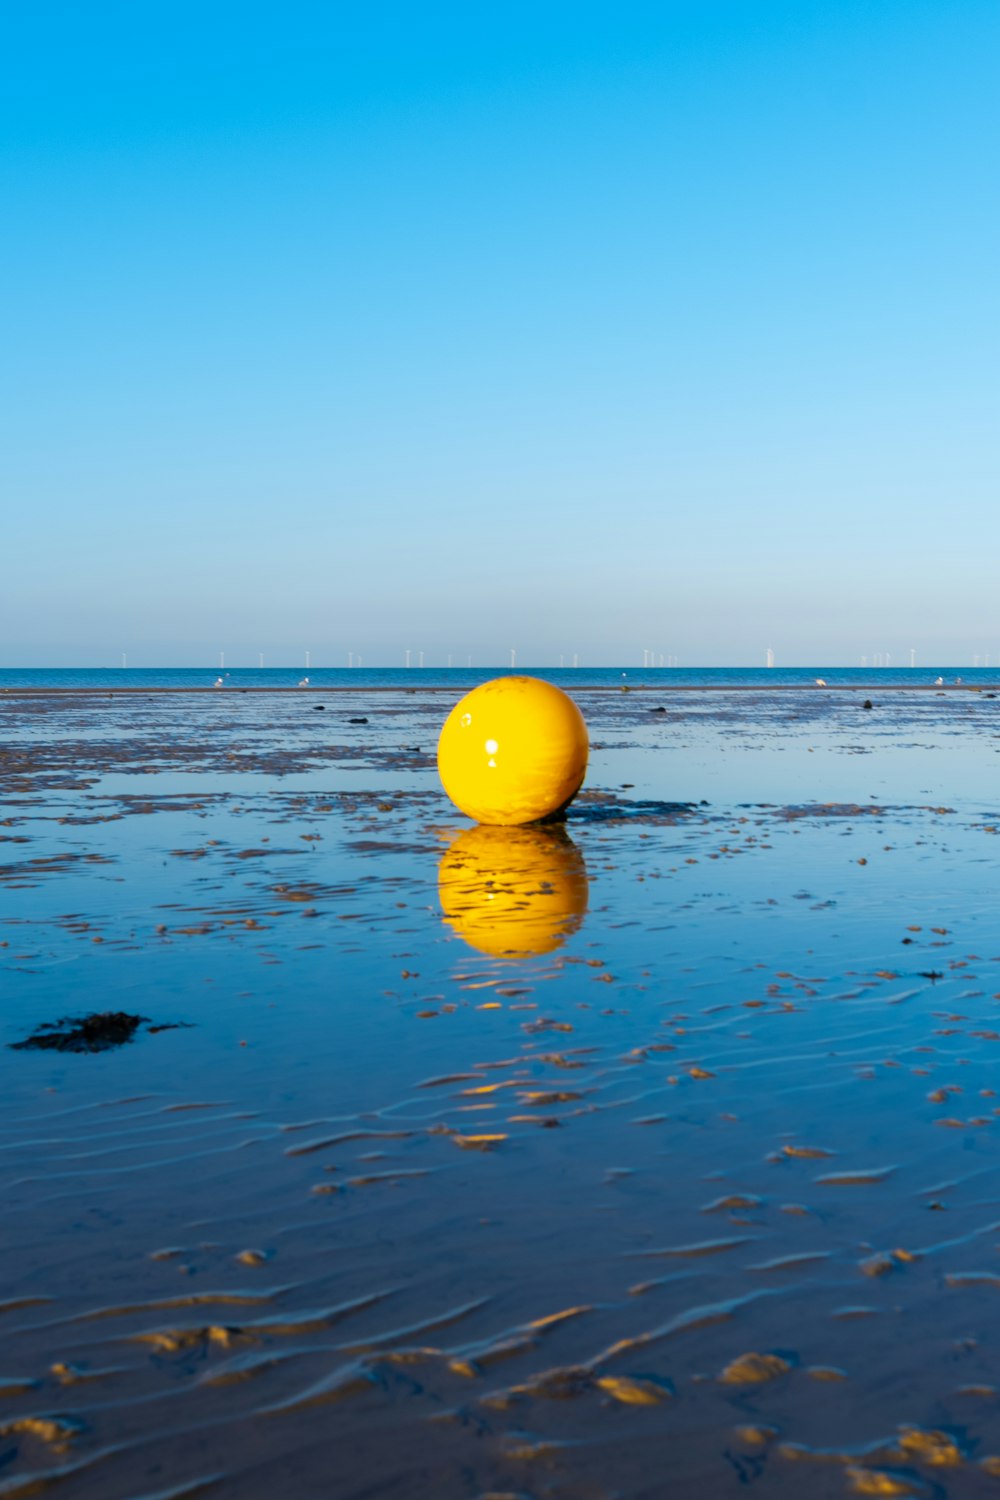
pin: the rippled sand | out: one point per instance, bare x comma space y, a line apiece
650, 1155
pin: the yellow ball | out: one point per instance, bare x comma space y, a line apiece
512, 892
512, 751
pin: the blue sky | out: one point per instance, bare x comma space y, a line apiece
584, 328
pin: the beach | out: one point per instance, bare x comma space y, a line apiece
650, 1152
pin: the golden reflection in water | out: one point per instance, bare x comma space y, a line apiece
512, 892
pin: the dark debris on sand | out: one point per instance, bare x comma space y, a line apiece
98, 1032
606, 808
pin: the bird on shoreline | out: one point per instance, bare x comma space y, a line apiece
304, 682
821, 682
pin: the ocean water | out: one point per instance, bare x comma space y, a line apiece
651, 1154
461, 679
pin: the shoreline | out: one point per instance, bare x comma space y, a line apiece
583, 687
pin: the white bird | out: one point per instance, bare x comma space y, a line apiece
821, 682
939, 682
218, 682
304, 682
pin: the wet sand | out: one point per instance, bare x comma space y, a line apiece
653, 1154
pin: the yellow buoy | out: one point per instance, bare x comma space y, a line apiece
512, 892
512, 751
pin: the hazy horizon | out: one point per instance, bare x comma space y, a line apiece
321, 660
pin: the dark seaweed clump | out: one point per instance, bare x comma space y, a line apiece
94, 1033
641, 810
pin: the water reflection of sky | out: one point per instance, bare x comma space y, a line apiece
684, 996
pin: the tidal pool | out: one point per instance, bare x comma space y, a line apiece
652, 1153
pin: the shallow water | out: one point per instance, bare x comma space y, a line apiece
479, 1161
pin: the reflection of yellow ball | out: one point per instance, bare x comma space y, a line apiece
512, 751
510, 892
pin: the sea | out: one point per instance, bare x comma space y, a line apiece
462, 679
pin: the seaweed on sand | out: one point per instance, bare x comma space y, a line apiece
97, 1032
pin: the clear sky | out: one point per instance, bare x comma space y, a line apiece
563, 326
